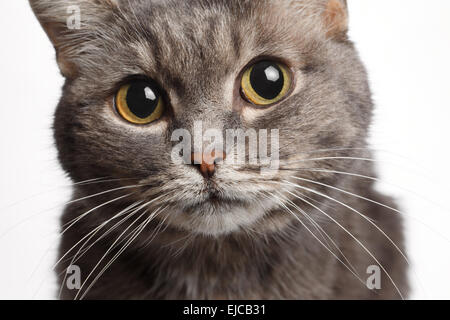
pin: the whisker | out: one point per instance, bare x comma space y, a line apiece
320, 230
329, 158
312, 233
392, 209
74, 221
124, 247
55, 188
157, 230
71, 185
379, 204
94, 231
80, 253
355, 211
109, 250
351, 194
354, 238
125, 238
62, 205
84, 251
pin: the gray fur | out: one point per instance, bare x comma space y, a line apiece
247, 246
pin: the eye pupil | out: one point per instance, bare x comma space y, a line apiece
142, 100
267, 79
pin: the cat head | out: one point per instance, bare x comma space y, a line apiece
139, 72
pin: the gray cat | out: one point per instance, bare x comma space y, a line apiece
143, 226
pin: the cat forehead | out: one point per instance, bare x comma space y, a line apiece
182, 33
192, 12
209, 34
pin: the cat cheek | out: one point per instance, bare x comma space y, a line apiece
249, 116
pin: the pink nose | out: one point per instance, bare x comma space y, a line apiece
207, 162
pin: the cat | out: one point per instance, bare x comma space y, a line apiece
143, 226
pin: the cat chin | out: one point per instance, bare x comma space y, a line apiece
212, 219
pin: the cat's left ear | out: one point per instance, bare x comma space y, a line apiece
335, 19
68, 25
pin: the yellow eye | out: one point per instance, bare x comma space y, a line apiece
140, 102
266, 82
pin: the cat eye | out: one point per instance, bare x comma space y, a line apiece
266, 82
140, 102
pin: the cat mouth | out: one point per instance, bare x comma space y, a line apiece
215, 200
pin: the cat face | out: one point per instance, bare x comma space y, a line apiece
138, 71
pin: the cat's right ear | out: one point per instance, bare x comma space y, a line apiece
67, 23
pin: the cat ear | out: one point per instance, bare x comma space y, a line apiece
335, 18
67, 24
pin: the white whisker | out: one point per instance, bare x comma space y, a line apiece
124, 247
355, 211
107, 252
320, 229
312, 233
74, 221
354, 238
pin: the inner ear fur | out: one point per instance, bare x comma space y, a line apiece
335, 17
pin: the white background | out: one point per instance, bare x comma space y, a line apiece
406, 47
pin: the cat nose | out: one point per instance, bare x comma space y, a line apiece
206, 163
